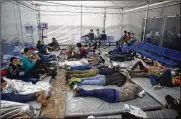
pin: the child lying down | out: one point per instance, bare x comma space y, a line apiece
128, 92
19, 91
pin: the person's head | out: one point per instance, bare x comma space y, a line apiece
103, 32
79, 45
125, 32
129, 33
132, 35
14, 60
3, 83
53, 39
97, 30
39, 42
91, 30
27, 52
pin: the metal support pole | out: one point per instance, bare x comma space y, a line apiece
104, 20
122, 23
163, 30
38, 13
81, 23
146, 19
21, 27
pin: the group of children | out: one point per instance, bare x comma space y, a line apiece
127, 38
29, 71
99, 74
95, 39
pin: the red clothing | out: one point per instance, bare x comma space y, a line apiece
82, 52
127, 38
177, 80
3, 72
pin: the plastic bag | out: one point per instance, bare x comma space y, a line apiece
11, 109
138, 112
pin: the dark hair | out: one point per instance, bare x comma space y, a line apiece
103, 31
79, 45
39, 42
132, 33
26, 50
97, 29
125, 31
91, 30
128, 33
53, 38
12, 58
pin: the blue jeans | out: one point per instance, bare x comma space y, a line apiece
96, 80
108, 95
154, 80
165, 79
23, 98
47, 57
81, 68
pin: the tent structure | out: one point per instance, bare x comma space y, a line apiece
69, 20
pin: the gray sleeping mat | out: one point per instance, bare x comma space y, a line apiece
86, 106
167, 113
157, 94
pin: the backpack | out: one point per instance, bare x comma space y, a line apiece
172, 103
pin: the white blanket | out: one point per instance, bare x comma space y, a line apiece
82, 62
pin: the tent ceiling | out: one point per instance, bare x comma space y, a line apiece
98, 4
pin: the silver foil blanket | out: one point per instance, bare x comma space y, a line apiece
16, 110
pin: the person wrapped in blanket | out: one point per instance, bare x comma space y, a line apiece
127, 92
14, 72
32, 64
17, 91
158, 74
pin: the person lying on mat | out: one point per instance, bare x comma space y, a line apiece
38, 96
117, 79
158, 74
166, 78
125, 93
32, 65
102, 70
84, 73
145, 70
14, 72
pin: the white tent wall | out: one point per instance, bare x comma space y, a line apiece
10, 28
14, 18
28, 19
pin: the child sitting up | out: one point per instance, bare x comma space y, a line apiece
14, 70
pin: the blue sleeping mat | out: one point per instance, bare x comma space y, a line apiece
86, 106
157, 94
159, 114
